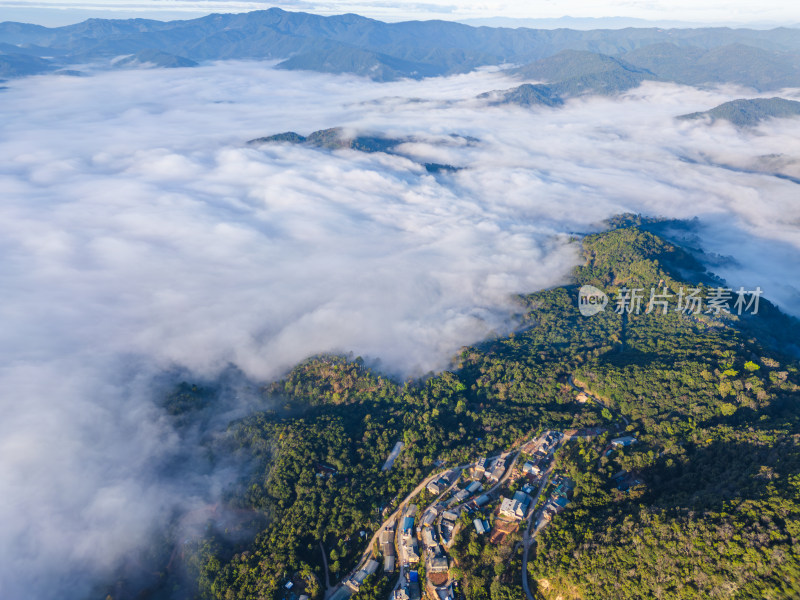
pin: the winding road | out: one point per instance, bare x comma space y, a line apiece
527, 538
328, 589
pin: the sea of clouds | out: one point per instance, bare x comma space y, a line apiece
139, 235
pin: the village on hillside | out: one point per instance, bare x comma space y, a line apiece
506, 499
494, 495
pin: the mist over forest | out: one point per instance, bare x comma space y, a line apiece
145, 242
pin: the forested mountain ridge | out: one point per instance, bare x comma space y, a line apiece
715, 413
332, 138
739, 63
749, 112
572, 73
336, 138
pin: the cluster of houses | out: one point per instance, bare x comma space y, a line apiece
433, 529
540, 455
450, 508
558, 500
434, 539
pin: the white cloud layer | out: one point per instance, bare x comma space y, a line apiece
139, 234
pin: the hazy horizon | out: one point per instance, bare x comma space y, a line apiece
583, 16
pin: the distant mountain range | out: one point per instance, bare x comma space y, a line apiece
572, 73
749, 112
604, 60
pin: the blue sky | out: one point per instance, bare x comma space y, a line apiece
774, 12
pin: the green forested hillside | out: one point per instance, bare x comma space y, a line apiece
715, 512
574, 63
716, 416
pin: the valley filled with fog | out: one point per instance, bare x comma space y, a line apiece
143, 236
